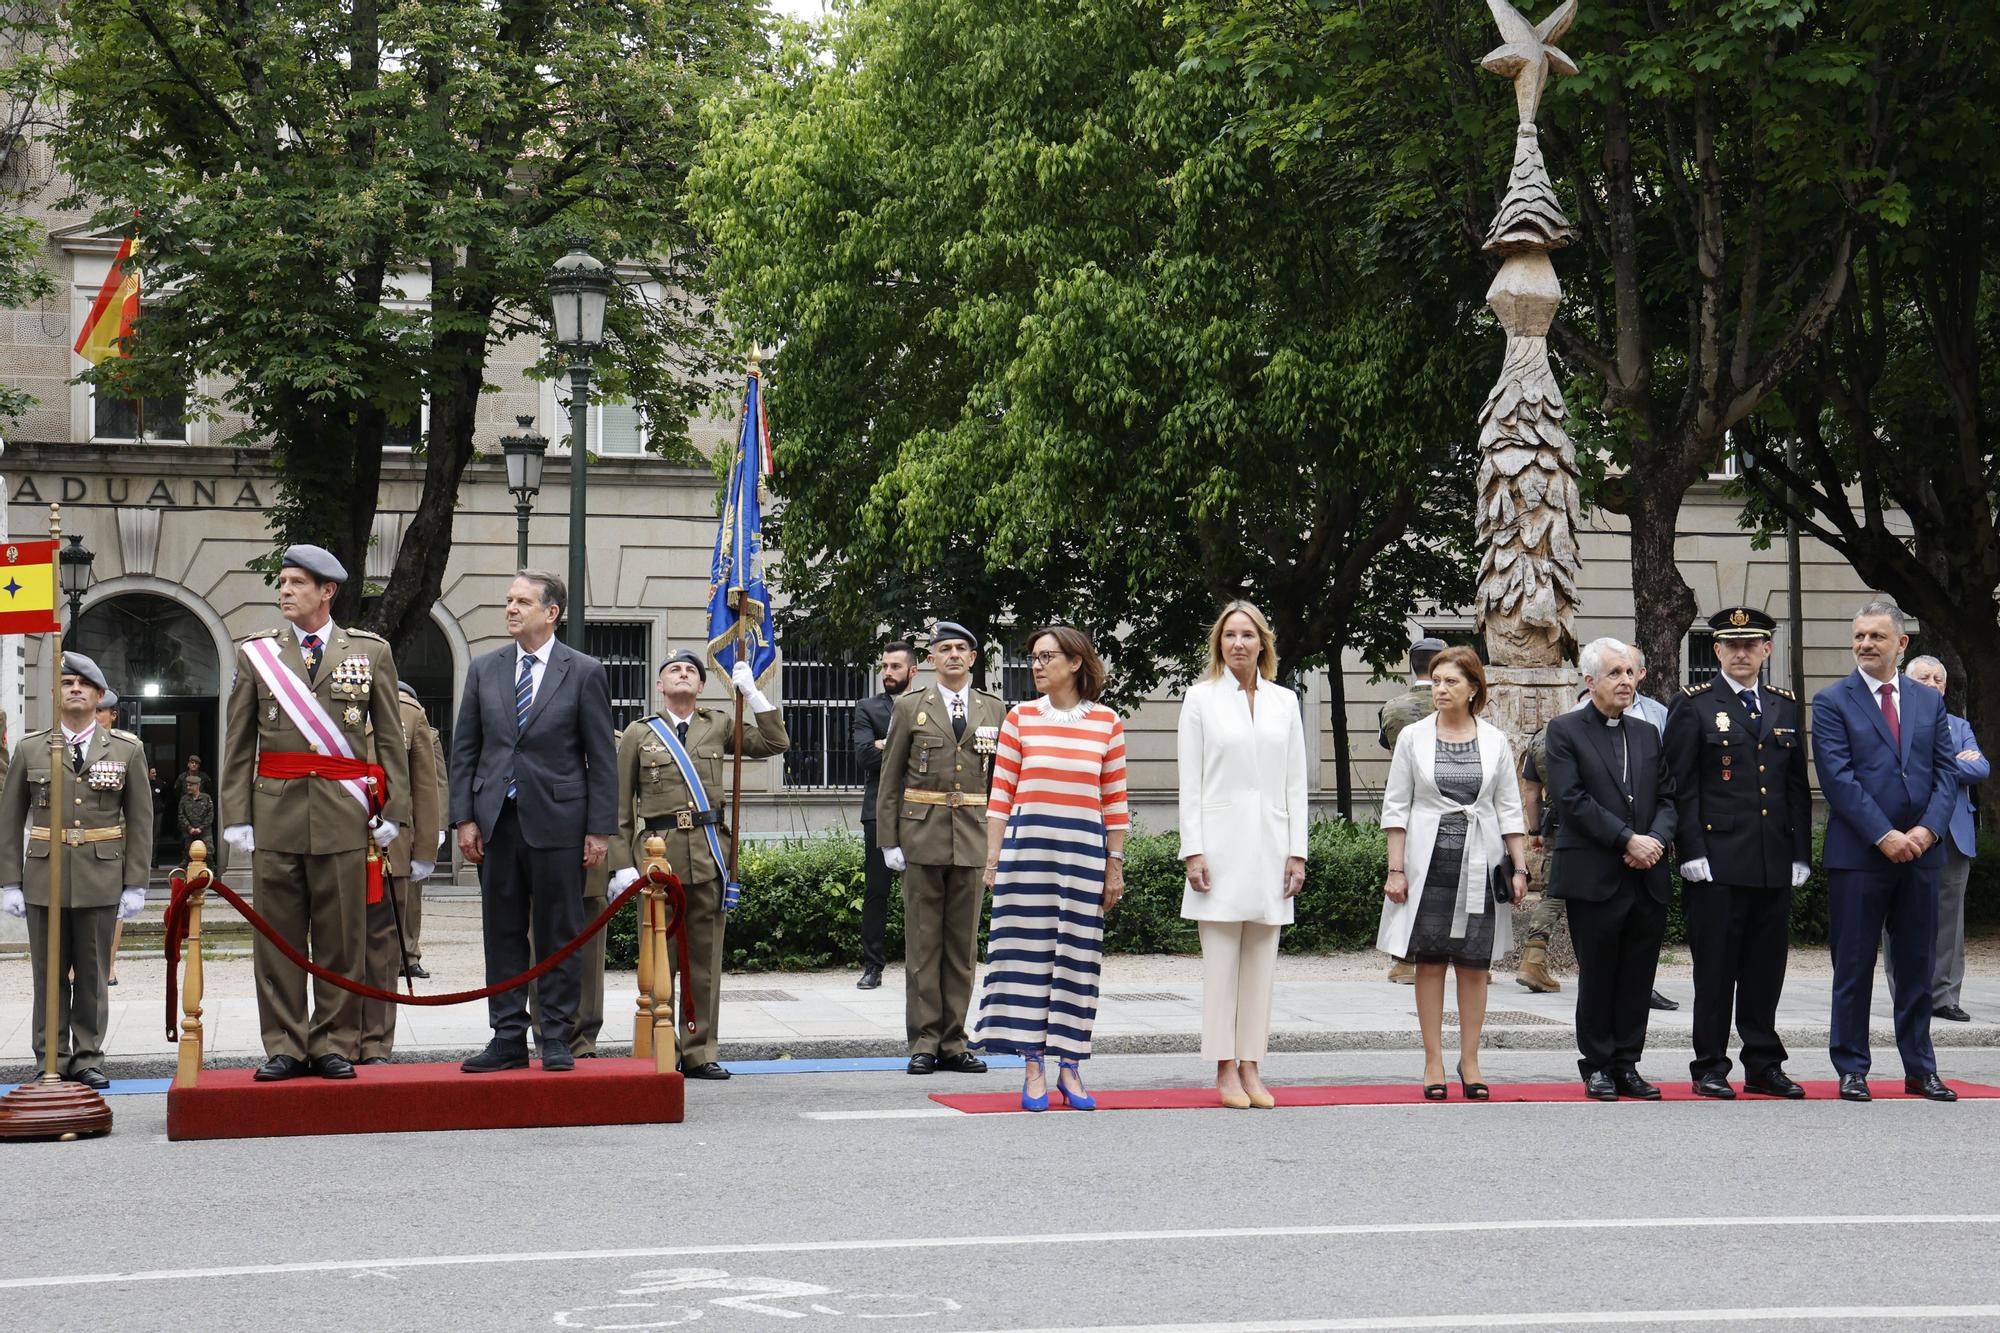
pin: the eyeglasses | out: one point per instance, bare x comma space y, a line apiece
1043, 659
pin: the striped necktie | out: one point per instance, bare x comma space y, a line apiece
524, 694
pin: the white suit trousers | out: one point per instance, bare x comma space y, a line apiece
1238, 962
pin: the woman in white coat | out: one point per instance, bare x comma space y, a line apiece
1452, 811
1243, 838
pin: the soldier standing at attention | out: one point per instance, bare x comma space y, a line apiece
670, 783
299, 712
407, 865
109, 810
1738, 756
1412, 705
930, 816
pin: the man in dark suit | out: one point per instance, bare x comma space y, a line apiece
871, 733
1616, 797
534, 795
1883, 749
1738, 756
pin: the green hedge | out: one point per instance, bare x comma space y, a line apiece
801, 904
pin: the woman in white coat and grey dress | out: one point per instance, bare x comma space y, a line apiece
1452, 812
1243, 838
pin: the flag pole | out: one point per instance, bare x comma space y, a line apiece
742, 604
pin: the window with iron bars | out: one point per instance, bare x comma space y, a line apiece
625, 648
1701, 664
819, 716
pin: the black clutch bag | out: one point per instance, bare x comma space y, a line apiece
1501, 881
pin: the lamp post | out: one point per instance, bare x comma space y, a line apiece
524, 478
75, 560
579, 288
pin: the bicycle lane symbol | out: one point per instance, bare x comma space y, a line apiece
752, 1295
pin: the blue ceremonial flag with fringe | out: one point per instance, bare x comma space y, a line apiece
739, 548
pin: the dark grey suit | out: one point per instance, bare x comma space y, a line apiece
564, 770
871, 724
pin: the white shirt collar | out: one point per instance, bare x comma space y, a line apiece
1874, 686
675, 718
325, 633
949, 695
84, 736
541, 654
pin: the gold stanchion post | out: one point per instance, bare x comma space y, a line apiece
198, 877
665, 1040
642, 1019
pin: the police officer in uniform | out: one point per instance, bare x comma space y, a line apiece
1738, 755
1412, 705
654, 797
930, 816
301, 695
407, 865
106, 828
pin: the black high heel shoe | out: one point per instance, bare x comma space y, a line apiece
1474, 1092
1435, 1092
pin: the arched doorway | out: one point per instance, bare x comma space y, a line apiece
161, 659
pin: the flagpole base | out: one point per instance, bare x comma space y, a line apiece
51, 1109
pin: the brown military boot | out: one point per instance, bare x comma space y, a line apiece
1403, 974
1534, 969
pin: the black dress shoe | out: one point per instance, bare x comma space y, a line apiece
1659, 1001
923, 1062
1854, 1088
373, 1060
1951, 1013
709, 1070
1716, 1086
281, 1067
1773, 1083
556, 1058
965, 1062
1629, 1084
496, 1057
1930, 1087
416, 970
1597, 1086
871, 979
91, 1078
332, 1066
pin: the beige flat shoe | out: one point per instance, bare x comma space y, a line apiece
1263, 1101
1235, 1101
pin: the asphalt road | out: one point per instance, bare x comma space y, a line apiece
822, 1201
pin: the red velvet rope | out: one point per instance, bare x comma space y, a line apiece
179, 912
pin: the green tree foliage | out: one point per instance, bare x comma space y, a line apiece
24, 70
1719, 158
347, 207
1055, 346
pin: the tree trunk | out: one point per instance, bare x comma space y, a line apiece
1663, 605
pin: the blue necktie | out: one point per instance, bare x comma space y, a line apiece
524, 694
1749, 698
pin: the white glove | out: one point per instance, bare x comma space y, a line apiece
421, 871
624, 879
746, 685
893, 858
1697, 871
240, 837
131, 902
1801, 872
12, 902
385, 833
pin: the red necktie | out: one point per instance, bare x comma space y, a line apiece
1889, 715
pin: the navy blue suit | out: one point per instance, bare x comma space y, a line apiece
1873, 786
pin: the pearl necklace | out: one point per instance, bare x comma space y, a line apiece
1071, 714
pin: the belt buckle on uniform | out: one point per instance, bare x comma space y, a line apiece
73, 837
684, 820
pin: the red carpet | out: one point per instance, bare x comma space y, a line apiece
397, 1099
1392, 1094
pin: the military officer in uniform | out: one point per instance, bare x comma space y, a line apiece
407, 864
106, 828
413, 906
1412, 705
297, 765
1738, 756
655, 796
930, 817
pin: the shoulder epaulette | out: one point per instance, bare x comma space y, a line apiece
127, 735
365, 634
987, 694
1782, 692
260, 634
1702, 688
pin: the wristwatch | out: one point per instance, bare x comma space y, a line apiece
1116, 856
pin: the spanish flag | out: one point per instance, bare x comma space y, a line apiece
28, 587
116, 308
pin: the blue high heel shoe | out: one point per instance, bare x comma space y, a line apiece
1032, 1065
1078, 1100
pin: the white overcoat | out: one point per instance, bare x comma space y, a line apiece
1242, 798
1413, 803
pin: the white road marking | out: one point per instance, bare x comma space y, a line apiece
1787, 1314
890, 1113
1954, 1220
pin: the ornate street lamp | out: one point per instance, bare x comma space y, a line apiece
579, 289
524, 478
76, 560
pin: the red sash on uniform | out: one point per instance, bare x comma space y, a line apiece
339, 768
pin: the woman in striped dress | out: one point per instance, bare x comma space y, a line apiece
1056, 820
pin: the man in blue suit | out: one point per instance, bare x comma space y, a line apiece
1961, 846
1883, 750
